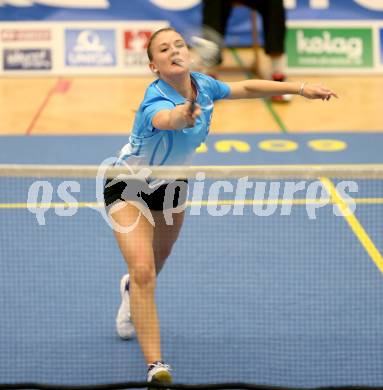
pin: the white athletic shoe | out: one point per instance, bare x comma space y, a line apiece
159, 373
124, 324
281, 98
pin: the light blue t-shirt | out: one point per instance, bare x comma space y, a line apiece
150, 146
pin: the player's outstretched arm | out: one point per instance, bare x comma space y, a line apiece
250, 89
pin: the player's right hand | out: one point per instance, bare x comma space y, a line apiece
185, 115
192, 112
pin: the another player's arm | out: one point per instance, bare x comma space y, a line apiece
178, 118
250, 89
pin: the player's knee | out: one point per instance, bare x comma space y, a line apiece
143, 275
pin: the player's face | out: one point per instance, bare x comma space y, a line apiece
170, 54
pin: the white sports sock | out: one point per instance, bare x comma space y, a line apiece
278, 64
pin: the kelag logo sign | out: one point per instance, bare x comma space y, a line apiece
330, 47
90, 48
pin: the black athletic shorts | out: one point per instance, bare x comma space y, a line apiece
161, 197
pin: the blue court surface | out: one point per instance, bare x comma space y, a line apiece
282, 300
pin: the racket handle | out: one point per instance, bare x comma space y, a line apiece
192, 105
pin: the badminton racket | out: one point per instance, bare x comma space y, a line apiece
205, 45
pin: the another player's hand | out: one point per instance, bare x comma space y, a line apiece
317, 91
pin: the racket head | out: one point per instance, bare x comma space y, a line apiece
205, 45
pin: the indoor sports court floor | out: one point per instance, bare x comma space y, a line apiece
286, 301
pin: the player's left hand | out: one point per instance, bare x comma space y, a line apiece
317, 91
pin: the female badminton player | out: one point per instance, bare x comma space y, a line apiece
170, 124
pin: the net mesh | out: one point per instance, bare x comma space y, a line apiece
275, 280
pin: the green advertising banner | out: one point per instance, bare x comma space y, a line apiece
321, 47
